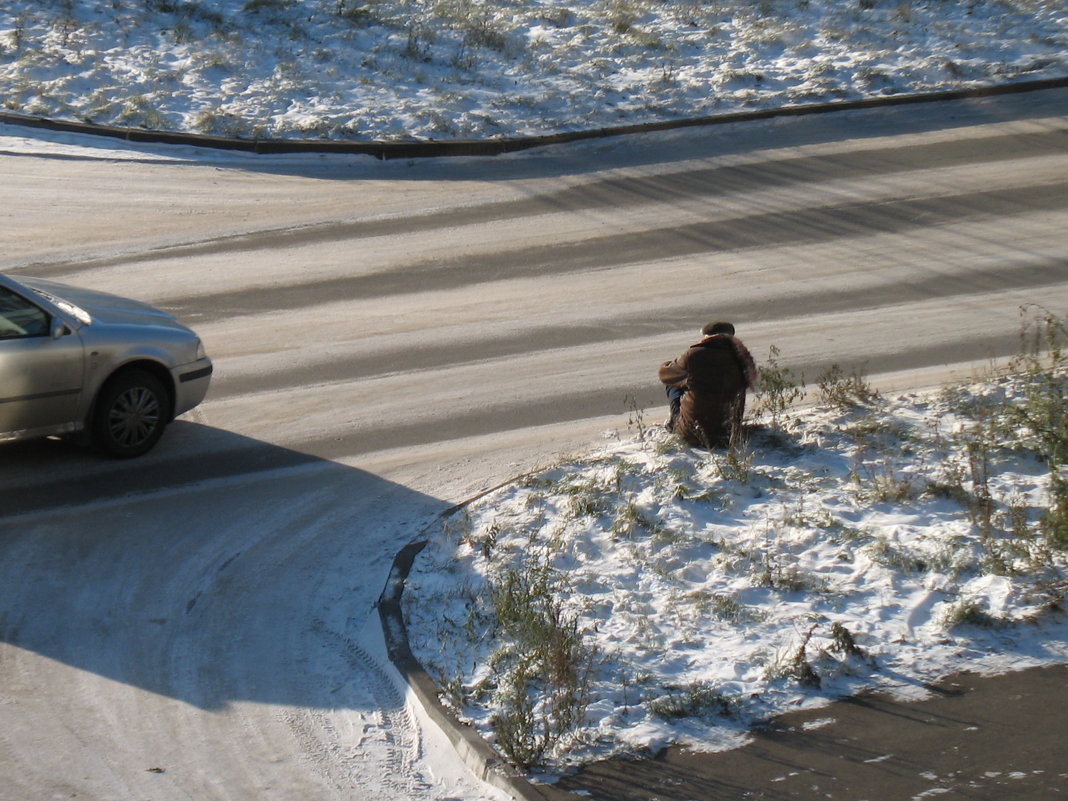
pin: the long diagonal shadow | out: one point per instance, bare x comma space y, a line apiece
217, 569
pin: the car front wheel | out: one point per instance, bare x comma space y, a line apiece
131, 413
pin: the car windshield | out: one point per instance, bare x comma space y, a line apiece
77, 312
20, 318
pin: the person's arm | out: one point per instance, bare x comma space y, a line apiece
745, 359
673, 374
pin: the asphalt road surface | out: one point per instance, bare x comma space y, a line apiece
390, 338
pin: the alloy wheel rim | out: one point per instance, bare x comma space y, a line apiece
134, 417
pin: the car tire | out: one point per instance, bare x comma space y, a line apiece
131, 412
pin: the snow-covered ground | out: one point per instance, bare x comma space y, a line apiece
649, 593
442, 69
696, 593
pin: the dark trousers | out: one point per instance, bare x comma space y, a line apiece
674, 403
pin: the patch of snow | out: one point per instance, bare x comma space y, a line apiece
712, 590
432, 70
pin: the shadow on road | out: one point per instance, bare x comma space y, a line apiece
979, 737
597, 154
215, 570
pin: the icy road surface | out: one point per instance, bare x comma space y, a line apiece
391, 338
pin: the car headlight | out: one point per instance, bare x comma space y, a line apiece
201, 353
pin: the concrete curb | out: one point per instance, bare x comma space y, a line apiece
476, 753
494, 147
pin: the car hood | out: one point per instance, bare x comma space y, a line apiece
104, 308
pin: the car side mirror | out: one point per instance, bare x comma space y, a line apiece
59, 328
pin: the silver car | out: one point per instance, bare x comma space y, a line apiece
74, 360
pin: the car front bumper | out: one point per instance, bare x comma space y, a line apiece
191, 384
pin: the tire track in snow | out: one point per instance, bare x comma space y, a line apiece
801, 226
390, 742
625, 191
1030, 274
943, 252
543, 370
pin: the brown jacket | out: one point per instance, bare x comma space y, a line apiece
714, 374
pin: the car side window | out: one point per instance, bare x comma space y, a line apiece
19, 318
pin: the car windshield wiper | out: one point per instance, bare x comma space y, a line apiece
77, 312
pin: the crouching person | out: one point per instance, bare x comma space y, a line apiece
706, 387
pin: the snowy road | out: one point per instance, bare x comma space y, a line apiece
390, 338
